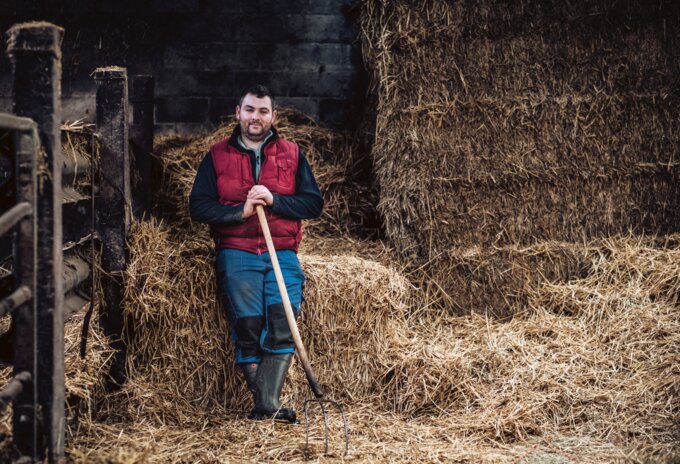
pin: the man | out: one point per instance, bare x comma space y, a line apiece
255, 167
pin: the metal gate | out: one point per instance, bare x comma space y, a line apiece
52, 222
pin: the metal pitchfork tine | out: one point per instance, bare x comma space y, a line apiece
300, 348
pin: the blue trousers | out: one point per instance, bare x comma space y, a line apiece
252, 300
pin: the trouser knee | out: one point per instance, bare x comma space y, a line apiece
276, 335
247, 333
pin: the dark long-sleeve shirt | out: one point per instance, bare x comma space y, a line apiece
204, 204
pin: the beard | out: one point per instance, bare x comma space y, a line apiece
256, 133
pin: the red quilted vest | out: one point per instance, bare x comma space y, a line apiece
234, 180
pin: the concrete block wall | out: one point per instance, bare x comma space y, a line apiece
202, 53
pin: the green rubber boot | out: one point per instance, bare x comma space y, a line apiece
269, 382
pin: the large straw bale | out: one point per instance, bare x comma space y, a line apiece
354, 308
498, 281
489, 140
349, 203
500, 124
177, 335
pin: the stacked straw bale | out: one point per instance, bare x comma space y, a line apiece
502, 124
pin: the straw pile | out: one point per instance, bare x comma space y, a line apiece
349, 203
597, 356
179, 334
573, 376
584, 371
501, 124
85, 380
587, 373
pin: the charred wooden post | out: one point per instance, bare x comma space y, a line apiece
142, 140
114, 205
35, 51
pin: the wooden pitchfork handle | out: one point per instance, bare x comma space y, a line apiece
301, 352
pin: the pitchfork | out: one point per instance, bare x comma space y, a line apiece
300, 348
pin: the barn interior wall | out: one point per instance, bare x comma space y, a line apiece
202, 53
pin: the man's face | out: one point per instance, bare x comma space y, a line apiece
255, 115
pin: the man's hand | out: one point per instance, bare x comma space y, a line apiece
249, 207
260, 192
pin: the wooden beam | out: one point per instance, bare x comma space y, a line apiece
113, 205
142, 140
35, 52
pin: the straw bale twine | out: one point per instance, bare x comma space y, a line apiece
501, 124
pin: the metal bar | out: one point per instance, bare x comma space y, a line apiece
14, 215
35, 52
25, 415
16, 123
19, 297
114, 206
14, 388
142, 140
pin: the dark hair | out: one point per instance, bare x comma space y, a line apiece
260, 91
